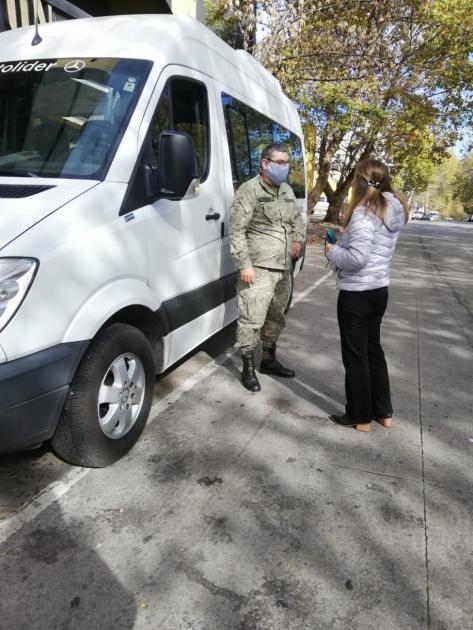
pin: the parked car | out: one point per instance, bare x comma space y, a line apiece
449, 219
434, 216
320, 210
417, 215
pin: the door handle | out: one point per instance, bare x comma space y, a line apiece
212, 216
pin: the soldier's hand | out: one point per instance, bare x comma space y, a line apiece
247, 275
296, 249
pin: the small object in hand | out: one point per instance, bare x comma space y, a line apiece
330, 237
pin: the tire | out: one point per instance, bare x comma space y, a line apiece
291, 290
106, 411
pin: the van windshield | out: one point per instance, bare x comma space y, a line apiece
65, 117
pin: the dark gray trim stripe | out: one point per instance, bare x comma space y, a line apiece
11, 191
182, 309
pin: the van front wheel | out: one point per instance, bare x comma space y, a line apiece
109, 399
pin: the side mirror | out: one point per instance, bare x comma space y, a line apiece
177, 164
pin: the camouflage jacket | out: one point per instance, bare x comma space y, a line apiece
264, 221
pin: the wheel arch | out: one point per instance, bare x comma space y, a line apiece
148, 322
127, 300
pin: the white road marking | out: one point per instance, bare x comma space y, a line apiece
49, 495
320, 395
300, 296
189, 383
58, 489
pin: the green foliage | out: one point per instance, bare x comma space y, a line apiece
463, 184
233, 21
414, 159
390, 78
440, 192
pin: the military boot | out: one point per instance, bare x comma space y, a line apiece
248, 375
270, 365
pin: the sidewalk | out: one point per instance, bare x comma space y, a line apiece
255, 512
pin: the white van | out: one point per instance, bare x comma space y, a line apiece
320, 209
122, 140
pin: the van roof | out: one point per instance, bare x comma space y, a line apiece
164, 39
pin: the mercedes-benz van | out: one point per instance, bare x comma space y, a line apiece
122, 140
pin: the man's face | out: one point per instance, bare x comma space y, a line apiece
277, 157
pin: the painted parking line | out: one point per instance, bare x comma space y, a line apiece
318, 394
58, 489
49, 495
300, 296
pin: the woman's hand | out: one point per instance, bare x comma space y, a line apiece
247, 275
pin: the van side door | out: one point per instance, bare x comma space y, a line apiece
185, 236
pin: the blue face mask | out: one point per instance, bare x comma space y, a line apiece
277, 173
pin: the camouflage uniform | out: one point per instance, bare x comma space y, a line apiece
264, 222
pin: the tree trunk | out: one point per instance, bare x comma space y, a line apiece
334, 209
326, 152
320, 184
337, 198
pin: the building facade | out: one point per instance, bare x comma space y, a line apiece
17, 13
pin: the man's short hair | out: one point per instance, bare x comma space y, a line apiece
267, 152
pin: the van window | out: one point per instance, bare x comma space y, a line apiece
239, 143
65, 117
183, 107
162, 118
248, 132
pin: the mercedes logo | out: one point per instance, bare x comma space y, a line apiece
74, 66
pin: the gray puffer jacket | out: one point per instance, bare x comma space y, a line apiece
362, 260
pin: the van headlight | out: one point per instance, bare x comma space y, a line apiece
16, 276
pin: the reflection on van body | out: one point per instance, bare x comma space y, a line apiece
121, 146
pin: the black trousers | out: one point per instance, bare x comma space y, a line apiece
367, 388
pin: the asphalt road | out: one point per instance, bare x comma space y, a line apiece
248, 511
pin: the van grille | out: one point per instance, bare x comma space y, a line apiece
16, 192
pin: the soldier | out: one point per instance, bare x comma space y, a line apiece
266, 231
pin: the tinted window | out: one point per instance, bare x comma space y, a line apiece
162, 118
248, 132
183, 107
239, 144
65, 117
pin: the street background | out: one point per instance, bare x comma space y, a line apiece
255, 512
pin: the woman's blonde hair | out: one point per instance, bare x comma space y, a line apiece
371, 179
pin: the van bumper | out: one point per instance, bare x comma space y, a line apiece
33, 390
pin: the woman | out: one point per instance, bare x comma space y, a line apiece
362, 263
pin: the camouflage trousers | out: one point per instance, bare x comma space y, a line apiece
261, 308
